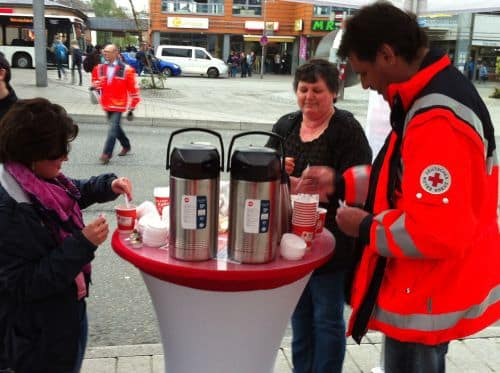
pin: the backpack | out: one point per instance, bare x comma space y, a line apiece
88, 63
60, 51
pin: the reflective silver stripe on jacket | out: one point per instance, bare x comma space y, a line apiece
431, 323
361, 178
491, 162
400, 236
463, 112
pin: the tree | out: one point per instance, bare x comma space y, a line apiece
107, 8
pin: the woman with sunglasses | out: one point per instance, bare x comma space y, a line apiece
45, 246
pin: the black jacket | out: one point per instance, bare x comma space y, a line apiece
39, 327
7, 102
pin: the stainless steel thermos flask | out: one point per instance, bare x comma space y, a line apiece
254, 201
194, 198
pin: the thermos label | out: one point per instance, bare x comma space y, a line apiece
256, 217
194, 212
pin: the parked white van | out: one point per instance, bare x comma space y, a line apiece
192, 60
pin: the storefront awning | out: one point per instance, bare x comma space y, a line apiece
271, 39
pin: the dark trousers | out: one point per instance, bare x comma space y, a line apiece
60, 68
408, 357
115, 132
78, 67
318, 327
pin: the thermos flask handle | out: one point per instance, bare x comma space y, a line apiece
221, 166
264, 133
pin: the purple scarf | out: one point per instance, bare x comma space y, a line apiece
58, 196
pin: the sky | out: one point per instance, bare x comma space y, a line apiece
139, 5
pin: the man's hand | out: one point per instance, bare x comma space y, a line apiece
317, 180
130, 115
97, 231
349, 218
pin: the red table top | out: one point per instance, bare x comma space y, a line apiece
224, 274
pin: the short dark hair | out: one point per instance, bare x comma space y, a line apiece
315, 69
382, 23
34, 130
4, 64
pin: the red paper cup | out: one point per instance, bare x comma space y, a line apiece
321, 219
162, 198
306, 232
126, 217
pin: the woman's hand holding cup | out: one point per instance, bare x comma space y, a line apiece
97, 231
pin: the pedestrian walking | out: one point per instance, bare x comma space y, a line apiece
61, 54
483, 73
233, 62
76, 62
321, 134
470, 68
428, 257
250, 62
46, 248
119, 93
7, 94
243, 64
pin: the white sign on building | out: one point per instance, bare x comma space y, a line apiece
259, 25
185, 22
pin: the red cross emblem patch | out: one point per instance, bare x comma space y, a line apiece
435, 179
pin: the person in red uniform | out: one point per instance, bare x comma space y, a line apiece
428, 236
119, 93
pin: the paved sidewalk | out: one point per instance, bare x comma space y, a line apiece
477, 354
225, 103
239, 104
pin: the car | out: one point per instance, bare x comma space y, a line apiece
159, 66
193, 60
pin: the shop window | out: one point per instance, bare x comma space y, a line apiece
247, 8
193, 7
198, 54
327, 11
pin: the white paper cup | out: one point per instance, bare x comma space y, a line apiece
162, 197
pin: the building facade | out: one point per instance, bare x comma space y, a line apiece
467, 37
292, 30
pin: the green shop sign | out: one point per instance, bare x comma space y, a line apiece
324, 25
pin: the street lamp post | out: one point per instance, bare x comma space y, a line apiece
263, 40
40, 43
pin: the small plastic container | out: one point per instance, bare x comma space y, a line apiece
155, 233
292, 247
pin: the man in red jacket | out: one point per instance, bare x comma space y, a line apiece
119, 93
429, 241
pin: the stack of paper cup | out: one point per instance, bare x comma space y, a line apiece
155, 233
304, 217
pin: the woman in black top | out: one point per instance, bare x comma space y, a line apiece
321, 134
